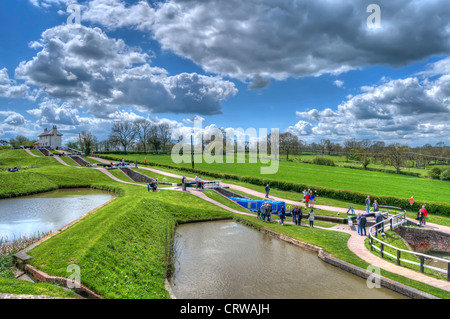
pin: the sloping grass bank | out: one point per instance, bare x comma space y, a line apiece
124, 249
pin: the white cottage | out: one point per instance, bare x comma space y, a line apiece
50, 139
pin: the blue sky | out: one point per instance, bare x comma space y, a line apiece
316, 69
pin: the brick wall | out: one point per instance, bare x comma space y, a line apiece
425, 240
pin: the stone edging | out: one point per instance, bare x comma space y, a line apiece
41, 276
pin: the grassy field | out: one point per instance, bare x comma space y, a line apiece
382, 184
340, 160
124, 248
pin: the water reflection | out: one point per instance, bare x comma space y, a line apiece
46, 212
225, 259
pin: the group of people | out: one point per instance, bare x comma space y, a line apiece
422, 215
15, 169
265, 211
308, 197
297, 216
198, 182
375, 205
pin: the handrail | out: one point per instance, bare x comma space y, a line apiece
422, 257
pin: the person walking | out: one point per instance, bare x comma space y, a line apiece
197, 182
424, 215
362, 223
282, 215
311, 218
367, 201
299, 216
312, 197
307, 200
267, 191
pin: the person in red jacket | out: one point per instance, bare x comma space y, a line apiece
307, 199
424, 214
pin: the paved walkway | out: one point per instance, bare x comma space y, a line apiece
61, 161
355, 243
29, 152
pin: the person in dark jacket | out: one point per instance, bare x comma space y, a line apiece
379, 218
362, 223
282, 215
299, 216
267, 191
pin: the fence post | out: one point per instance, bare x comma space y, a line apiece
392, 226
398, 257
448, 271
381, 250
422, 260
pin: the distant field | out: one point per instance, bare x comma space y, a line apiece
383, 184
340, 160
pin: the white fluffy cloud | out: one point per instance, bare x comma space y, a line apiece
403, 109
99, 74
9, 88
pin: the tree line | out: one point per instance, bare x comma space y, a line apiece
143, 135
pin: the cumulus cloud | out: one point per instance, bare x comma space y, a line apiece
97, 73
283, 39
9, 87
338, 83
114, 14
12, 118
280, 38
51, 112
49, 3
410, 108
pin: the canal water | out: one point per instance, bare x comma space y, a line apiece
45, 212
226, 260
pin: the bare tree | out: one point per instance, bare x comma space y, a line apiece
123, 133
396, 156
165, 133
288, 143
364, 152
349, 144
142, 128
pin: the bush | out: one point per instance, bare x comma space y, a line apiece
323, 161
445, 175
435, 173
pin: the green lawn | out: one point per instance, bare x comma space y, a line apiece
382, 184
124, 248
